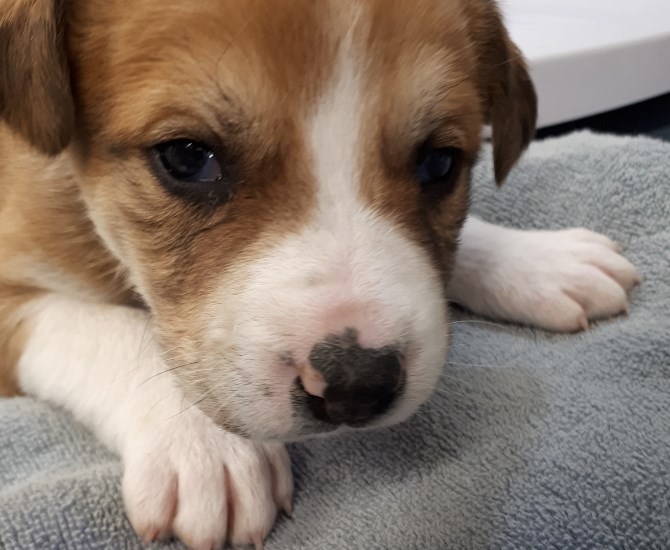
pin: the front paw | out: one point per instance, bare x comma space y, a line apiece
569, 277
556, 280
191, 479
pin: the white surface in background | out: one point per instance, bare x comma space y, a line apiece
589, 56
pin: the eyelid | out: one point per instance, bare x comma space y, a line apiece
176, 123
444, 137
217, 148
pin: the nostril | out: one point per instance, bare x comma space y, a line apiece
312, 381
317, 406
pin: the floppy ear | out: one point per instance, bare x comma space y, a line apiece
35, 96
508, 95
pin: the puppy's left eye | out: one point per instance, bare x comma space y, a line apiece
435, 165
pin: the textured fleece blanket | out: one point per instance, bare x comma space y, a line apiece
532, 440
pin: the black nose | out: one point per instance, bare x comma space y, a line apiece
361, 383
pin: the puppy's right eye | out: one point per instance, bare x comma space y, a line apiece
191, 169
190, 161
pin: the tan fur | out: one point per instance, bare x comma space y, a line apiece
243, 76
34, 87
507, 93
13, 334
422, 52
47, 242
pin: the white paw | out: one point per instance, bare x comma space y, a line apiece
190, 479
557, 280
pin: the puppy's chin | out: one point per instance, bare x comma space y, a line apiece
291, 418
308, 429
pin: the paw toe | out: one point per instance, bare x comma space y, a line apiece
150, 497
200, 521
561, 313
597, 293
618, 268
580, 234
282, 477
254, 509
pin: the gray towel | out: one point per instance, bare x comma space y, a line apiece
532, 440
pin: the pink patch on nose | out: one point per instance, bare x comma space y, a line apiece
312, 381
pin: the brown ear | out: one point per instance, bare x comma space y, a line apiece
508, 95
35, 96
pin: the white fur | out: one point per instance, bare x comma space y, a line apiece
101, 363
556, 280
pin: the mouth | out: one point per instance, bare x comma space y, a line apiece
304, 406
323, 413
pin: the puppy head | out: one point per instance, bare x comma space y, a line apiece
285, 183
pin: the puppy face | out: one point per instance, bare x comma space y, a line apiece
285, 184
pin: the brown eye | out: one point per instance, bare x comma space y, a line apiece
435, 166
191, 169
189, 161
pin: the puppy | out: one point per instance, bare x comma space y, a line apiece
225, 225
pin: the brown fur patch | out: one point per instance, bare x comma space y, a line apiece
47, 243
14, 332
35, 94
243, 86
507, 93
13, 336
436, 71
46, 237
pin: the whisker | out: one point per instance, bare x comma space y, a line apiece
169, 370
146, 328
203, 396
161, 399
178, 346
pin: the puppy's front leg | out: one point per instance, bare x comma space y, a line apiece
556, 280
183, 474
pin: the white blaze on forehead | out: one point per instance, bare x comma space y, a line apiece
335, 135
